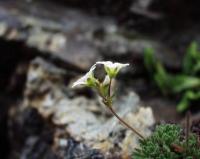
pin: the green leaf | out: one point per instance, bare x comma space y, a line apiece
186, 99
180, 83
191, 59
149, 60
162, 79
183, 82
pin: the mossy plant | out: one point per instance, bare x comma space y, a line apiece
185, 83
168, 142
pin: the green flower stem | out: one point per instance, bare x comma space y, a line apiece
109, 106
107, 100
124, 123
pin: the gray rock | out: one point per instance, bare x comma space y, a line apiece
59, 32
36, 148
69, 35
117, 46
39, 86
78, 118
78, 150
141, 7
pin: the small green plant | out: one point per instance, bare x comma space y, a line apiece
100, 78
186, 83
168, 142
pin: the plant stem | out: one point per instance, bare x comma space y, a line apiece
123, 122
108, 103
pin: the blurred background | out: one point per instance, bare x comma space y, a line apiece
46, 45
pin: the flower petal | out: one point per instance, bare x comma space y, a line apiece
106, 80
83, 80
111, 68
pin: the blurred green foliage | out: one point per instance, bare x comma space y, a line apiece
186, 84
168, 142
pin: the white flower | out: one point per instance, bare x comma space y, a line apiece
111, 68
87, 80
106, 80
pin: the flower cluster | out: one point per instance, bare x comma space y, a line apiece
103, 87
112, 69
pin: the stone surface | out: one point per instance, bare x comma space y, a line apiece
77, 150
142, 7
59, 32
4, 142
162, 107
118, 46
80, 118
70, 35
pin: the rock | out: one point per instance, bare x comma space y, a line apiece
100, 7
35, 148
158, 104
41, 89
116, 46
58, 32
32, 121
77, 117
77, 150
69, 35
4, 141
30, 135
141, 7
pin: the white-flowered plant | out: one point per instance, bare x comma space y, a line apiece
103, 87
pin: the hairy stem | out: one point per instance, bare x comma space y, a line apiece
108, 102
123, 122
